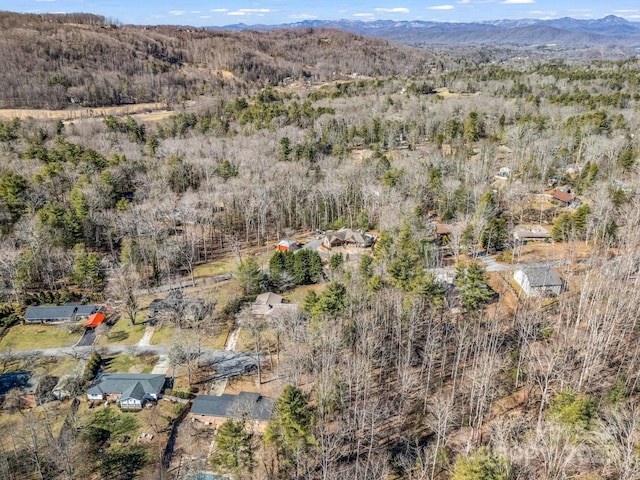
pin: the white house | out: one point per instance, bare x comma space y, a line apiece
543, 281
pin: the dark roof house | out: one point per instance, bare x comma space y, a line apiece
130, 390
245, 406
21, 380
56, 314
31, 388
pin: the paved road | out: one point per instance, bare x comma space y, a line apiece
219, 385
87, 338
85, 351
313, 245
493, 266
226, 363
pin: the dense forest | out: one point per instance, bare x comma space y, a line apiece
276, 133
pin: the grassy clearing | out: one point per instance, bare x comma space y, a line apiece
25, 337
163, 335
298, 294
230, 264
130, 363
215, 342
59, 366
123, 333
219, 267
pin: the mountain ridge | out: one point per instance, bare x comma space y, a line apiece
570, 31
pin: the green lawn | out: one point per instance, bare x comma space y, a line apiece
25, 337
130, 363
123, 333
219, 267
163, 335
230, 264
298, 294
59, 366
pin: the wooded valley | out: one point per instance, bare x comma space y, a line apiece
385, 371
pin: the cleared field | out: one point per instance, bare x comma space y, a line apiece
216, 342
155, 110
26, 337
130, 363
123, 333
163, 335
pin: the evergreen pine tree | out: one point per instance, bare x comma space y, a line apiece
234, 449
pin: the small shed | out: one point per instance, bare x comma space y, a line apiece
442, 233
288, 246
539, 281
95, 320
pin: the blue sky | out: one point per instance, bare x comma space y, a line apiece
220, 12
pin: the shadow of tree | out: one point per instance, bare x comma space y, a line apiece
119, 335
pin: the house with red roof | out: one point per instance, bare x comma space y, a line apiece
565, 198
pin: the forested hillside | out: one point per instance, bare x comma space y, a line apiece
58, 61
418, 358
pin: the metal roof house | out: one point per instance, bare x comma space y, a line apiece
58, 314
542, 281
129, 390
215, 410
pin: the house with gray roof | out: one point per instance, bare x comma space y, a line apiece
129, 390
539, 281
270, 303
526, 233
215, 410
59, 314
346, 236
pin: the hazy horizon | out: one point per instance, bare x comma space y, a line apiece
273, 12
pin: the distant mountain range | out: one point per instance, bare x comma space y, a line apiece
562, 31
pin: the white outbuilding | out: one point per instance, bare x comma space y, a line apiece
542, 281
